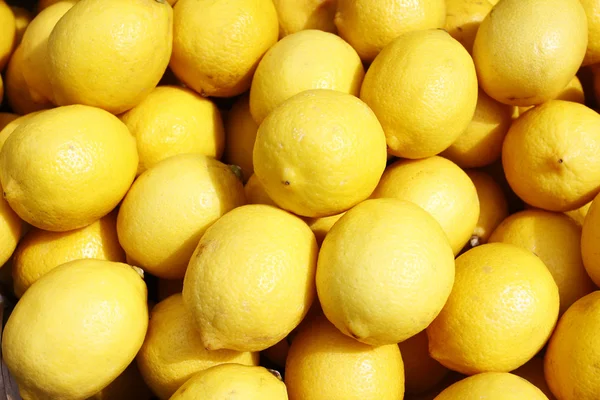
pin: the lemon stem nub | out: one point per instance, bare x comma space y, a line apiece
237, 170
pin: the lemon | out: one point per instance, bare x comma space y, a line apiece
527, 52
556, 240
218, 44
322, 226
173, 352
109, 53
255, 192
248, 293
533, 372
573, 352
94, 316
41, 251
11, 228
572, 92
12, 125
23, 18
67, 167
295, 16
8, 32
129, 385
502, 310
35, 51
492, 386
162, 235
227, 380
325, 364
549, 155
481, 143
463, 18
441, 188
374, 266
319, 153
590, 236
370, 25
240, 133
592, 11
17, 91
305, 60
423, 89
578, 215
493, 206
173, 120
421, 372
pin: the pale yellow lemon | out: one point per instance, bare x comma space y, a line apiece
550, 155
295, 16
325, 364
370, 25
41, 251
502, 310
590, 237
421, 372
67, 167
129, 385
227, 380
423, 89
533, 371
12, 125
574, 351
11, 228
255, 192
481, 143
463, 18
578, 215
170, 206
492, 386
240, 135
493, 206
441, 188
218, 44
374, 266
95, 317
8, 31
321, 226
251, 278
319, 153
592, 11
174, 120
527, 52
305, 60
109, 53
23, 18
556, 240
172, 351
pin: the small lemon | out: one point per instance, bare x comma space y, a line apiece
492, 386
320, 153
421, 372
463, 18
590, 237
295, 16
173, 120
322, 226
67, 167
240, 133
251, 278
170, 206
255, 192
502, 310
423, 89
173, 352
374, 266
218, 44
8, 31
305, 60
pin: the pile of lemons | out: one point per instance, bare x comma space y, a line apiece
301, 199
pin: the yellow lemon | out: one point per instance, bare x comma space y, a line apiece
374, 266
11, 228
255, 192
493, 207
527, 52
109, 53
226, 380
8, 31
590, 237
295, 16
556, 240
592, 11
95, 317
320, 153
533, 372
23, 18
492, 386
550, 155
463, 18
502, 310
129, 385
305, 60
41, 251
162, 235
325, 364
370, 25
173, 120
67, 167
173, 352
322, 226
247, 294
421, 372
12, 125
441, 188
423, 89
578, 215
218, 44
481, 143
574, 350
240, 133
